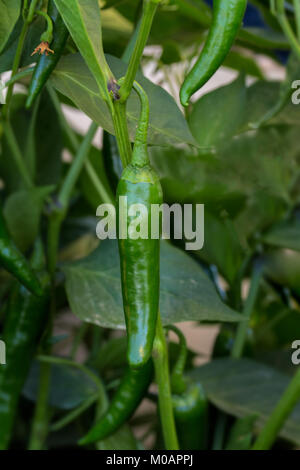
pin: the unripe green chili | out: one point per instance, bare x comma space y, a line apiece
191, 417
189, 401
14, 262
178, 382
124, 403
47, 62
226, 21
140, 257
23, 325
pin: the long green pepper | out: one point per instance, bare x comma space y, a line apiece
139, 257
23, 325
226, 21
14, 262
124, 403
47, 63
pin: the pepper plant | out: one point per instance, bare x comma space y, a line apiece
116, 379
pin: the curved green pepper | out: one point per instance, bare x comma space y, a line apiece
14, 262
191, 417
140, 257
23, 325
226, 21
47, 63
124, 403
189, 401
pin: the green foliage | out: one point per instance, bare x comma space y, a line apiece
235, 149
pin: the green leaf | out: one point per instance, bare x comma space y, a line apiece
10, 11
22, 211
285, 235
243, 63
222, 246
83, 20
244, 388
240, 436
281, 110
167, 124
217, 115
69, 387
94, 289
32, 40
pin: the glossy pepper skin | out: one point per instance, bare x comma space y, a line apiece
14, 262
226, 21
124, 403
139, 257
24, 322
47, 63
112, 160
191, 417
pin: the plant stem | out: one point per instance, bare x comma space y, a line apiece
22, 74
30, 150
74, 143
18, 55
15, 67
149, 9
218, 441
76, 167
16, 153
241, 335
54, 225
105, 197
72, 415
57, 217
69, 363
40, 419
286, 27
279, 415
297, 16
121, 130
161, 363
79, 336
47, 36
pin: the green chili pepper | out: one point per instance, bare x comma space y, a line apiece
124, 403
191, 417
23, 326
190, 403
140, 257
14, 262
112, 160
47, 63
227, 18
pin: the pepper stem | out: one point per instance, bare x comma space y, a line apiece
161, 365
178, 383
140, 155
47, 36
